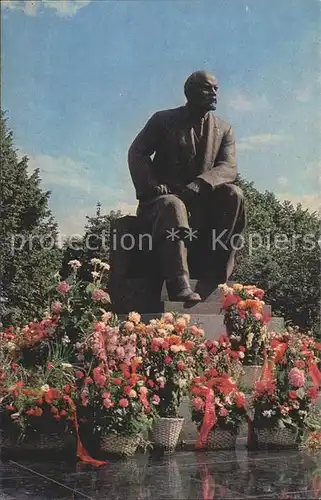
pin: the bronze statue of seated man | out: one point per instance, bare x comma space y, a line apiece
183, 166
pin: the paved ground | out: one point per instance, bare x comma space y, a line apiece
237, 474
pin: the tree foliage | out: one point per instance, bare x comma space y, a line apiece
28, 253
282, 255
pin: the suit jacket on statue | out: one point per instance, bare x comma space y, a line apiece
169, 136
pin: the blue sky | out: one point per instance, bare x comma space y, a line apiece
80, 78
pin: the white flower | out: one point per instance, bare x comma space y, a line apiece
182, 383
241, 355
66, 365
95, 261
65, 340
104, 265
11, 346
267, 413
95, 274
45, 388
75, 264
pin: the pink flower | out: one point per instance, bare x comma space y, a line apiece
106, 316
297, 377
123, 403
180, 365
258, 316
156, 399
56, 307
223, 412
168, 317
130, 326
168, 360
99, 295
198, 403
63, 287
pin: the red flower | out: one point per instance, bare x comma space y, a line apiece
165, 345
180, 365
30, 412
14, 366
116, 380
240, 399
50, 365
88, 380
79, 374
293, 395
313, 393
67, 389
10, 408
123, 403
54, 410
242, 348
230, 300
63, 413
168, 360
150, 383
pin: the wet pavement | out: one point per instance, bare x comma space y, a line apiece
238, 474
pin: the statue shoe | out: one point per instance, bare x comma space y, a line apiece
179, 290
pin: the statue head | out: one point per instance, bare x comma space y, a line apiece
201, 91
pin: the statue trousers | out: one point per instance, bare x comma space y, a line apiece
199, 240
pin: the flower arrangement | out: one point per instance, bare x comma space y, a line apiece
76, 304
245, 320
216, 404
223, 358
36, 400
290, 384
112, 394
172, 353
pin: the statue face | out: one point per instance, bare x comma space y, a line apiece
201, 90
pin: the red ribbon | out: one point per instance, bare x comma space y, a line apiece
315, 374
209, 419
81, 452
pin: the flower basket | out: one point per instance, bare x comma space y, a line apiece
278, 438
221, 439
251, 375
120, 445
166, 432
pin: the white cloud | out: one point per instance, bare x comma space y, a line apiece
63, 8
310, 201
283, 181
240, 101
61, 171
256, 141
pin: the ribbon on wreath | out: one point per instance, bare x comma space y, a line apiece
81, 452
269, 365
210, 418
315, 374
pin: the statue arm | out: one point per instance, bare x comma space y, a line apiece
224, 169
139, 158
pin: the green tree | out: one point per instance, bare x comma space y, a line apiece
29, 255
283, 256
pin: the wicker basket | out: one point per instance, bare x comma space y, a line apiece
52, 441
251, 375
283, 438
120, 445
221, 439
166, 432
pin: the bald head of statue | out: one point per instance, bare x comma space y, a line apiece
201, 90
